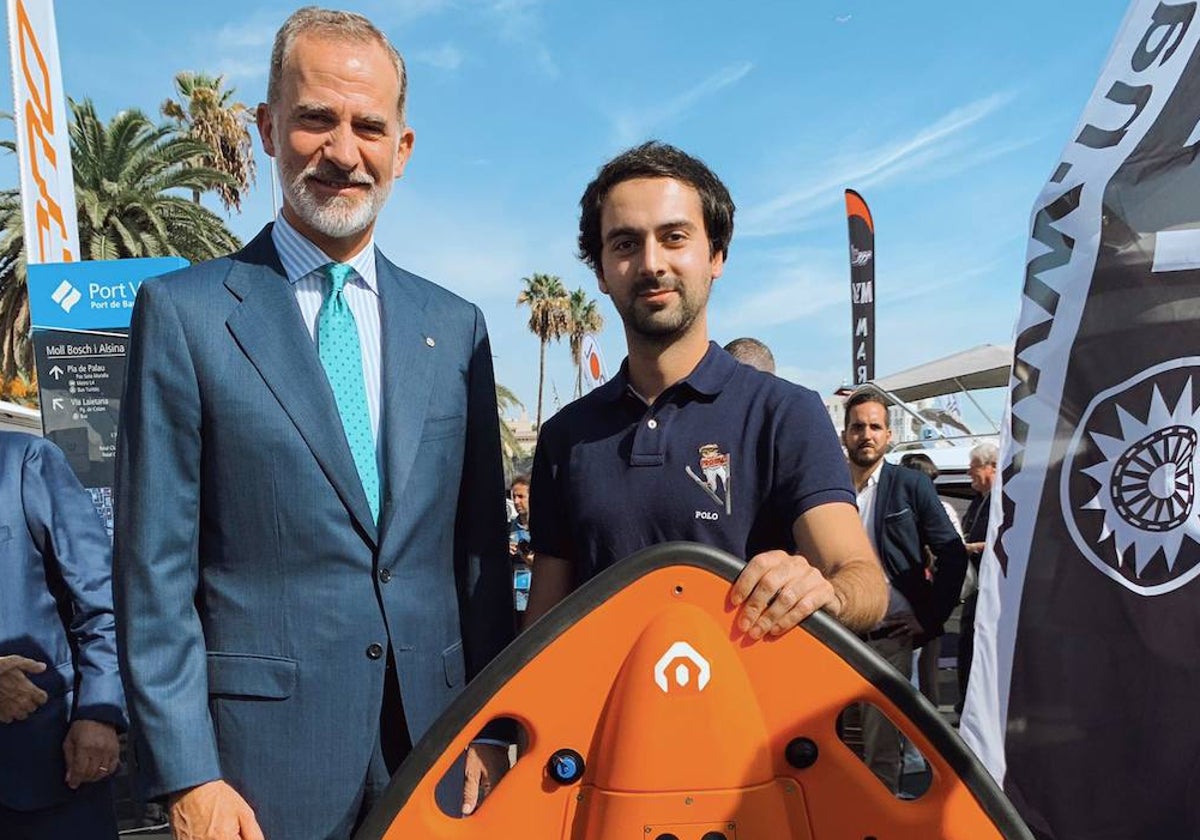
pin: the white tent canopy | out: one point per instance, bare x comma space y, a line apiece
985, 366
18, 418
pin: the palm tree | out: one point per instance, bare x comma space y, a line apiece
547, 300
16, 351
583, 319
127, 178
207, 113
506, 400
128, 175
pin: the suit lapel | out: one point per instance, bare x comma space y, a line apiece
268, 326
408, 372
883, 501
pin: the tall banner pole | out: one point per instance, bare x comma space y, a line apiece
1082, 697
43, 145
862, 287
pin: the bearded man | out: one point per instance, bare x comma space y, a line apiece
684, 443
296, 601
904, 518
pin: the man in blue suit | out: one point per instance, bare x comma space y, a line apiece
904, 518
61, 704
310, 547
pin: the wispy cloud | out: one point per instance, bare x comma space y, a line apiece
242, 49
789, 285
445, 57
519, 22
920, 151
633, 126
255, 33
779, 287
390, 15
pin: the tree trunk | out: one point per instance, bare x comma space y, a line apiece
541, 379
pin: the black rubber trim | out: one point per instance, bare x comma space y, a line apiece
602, 587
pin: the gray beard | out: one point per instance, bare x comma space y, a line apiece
336, 218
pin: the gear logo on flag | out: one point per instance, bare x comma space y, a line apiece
1129, 480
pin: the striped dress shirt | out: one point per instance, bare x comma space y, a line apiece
302, 262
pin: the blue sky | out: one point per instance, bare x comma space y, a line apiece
947, 116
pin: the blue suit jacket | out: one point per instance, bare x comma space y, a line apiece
55, 607
908, 517
254, 590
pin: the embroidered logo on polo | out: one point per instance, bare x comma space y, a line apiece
1136, 519
714, 467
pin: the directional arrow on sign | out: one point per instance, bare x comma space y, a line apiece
56, 372
56, 403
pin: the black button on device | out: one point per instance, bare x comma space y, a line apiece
385, 575
801, 753
374, 650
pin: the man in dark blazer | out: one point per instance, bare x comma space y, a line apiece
310, 546
903, 517
61, 704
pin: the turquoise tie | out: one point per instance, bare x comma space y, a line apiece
337, 344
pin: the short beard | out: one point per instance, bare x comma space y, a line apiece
857, 458
662, 325
338, 217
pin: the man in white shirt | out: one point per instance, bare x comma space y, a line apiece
902, 516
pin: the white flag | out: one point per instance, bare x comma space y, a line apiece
43, 146
594, 374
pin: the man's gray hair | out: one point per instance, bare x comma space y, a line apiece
335, 25
985, 453
751, 351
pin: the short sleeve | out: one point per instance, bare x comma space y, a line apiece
549, 523
810, 468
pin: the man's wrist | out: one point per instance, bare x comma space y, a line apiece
839, 598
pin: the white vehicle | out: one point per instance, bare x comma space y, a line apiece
940, 409
18, 418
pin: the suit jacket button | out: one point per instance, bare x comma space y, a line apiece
385, 575
374, 650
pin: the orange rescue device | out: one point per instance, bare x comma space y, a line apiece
651, 717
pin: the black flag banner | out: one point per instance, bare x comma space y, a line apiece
862, 288
1084, 698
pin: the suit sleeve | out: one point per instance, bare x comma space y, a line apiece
161, 642
481, 561
950, 555
68, 532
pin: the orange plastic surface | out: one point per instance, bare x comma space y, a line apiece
855, 206
683, 724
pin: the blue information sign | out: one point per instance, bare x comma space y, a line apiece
92, 295
80, 314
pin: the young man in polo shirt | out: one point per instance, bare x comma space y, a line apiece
685, 443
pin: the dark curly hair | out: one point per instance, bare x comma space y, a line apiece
655, 160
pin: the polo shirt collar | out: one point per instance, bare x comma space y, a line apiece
300, 257
707, 378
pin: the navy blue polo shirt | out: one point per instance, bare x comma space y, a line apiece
729, 457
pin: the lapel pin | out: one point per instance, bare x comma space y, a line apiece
429, 340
